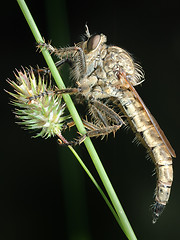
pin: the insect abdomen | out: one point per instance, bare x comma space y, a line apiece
145, 131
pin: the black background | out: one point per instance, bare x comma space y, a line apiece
32, 200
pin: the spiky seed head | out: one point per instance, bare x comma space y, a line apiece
38, 108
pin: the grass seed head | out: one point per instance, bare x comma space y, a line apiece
37, 107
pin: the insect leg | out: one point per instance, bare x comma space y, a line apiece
66, 91
45, 71
106, 121
74, 55
93, 131
109, 113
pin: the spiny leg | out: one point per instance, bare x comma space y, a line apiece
103, 113
92, 131
106, 121
103, 116
66, 91
74, 55
45, 71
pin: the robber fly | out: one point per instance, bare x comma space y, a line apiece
105, 77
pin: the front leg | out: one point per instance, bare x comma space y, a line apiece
73, 55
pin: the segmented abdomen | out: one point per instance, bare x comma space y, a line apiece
146, 132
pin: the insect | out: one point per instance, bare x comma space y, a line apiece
104, 77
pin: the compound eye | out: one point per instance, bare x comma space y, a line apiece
93, 42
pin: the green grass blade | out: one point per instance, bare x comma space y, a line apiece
96, 185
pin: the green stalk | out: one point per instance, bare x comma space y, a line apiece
96, 185
125, 225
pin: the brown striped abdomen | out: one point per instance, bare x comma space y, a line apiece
146, 132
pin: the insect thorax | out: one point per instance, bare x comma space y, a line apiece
106, 68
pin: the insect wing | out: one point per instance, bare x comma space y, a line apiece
153, 120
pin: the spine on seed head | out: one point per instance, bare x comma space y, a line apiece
37, 107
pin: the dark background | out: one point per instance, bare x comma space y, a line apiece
44, 198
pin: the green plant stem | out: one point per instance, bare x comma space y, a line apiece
96, 185
125, 225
